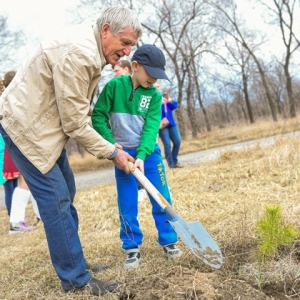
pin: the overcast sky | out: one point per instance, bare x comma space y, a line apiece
38, 18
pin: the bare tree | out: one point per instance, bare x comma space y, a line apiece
198, 92
174, 22
284, 10
227, 21
224, 93
276, 81
10, 42
238, 62
190, 107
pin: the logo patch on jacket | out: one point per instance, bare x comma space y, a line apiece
144, 103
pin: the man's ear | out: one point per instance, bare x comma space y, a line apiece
104, 30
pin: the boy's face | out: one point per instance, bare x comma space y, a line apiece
142, 77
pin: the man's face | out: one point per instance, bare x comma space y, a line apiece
115, 47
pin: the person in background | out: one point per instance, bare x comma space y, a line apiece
16, 190
169, 133
2, 146
123, 67
2, 149
133, 107
45, 105
11, 175
20, 197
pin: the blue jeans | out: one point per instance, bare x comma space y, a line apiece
130, 232
9, 187
168, 135
54, 193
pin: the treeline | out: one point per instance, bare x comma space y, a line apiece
226, 63
221, 57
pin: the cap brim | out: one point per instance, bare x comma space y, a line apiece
156, 73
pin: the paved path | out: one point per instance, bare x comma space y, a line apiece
90, 179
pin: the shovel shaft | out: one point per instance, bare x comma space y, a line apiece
150, 188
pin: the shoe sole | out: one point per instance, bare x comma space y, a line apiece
174, 255
133, 266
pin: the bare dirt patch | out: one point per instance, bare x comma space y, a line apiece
183, 283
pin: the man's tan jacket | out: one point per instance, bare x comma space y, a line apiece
49, 98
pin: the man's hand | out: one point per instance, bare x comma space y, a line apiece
121, 160
118, 146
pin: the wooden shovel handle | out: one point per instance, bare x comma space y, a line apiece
150, 188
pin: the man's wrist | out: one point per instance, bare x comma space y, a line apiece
114, 154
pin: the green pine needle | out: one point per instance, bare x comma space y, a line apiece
272, 233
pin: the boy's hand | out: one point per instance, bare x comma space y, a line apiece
139, 163
121, 160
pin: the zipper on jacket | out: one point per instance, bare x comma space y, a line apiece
132, 90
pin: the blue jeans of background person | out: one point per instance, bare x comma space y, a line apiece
54, 193
9, 187
168, 135
130, 232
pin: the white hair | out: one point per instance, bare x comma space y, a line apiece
119, 18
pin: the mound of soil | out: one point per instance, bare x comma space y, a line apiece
183, 283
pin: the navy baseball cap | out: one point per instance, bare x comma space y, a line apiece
153, 60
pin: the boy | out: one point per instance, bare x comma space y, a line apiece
132, 105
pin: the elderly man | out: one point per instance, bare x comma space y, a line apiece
46, 104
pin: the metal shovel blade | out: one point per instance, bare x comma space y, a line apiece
192, 234
198, 240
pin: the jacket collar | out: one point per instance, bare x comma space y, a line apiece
97, 37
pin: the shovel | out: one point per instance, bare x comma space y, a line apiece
193, 234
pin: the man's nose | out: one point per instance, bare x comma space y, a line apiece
127, 50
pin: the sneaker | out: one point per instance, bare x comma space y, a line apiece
133, 257
20, 228
172, 251
142, 194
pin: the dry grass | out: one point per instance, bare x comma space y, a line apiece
227, 196
240, 132
232, 134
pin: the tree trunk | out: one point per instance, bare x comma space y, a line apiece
190, 107
245, 90
242, 106
207, 123
178, 112
265, 84
290, 91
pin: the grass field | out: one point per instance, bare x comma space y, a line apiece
227, 196
232, 134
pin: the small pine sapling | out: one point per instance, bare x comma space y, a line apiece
272, 233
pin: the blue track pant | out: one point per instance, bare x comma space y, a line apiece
127, 189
